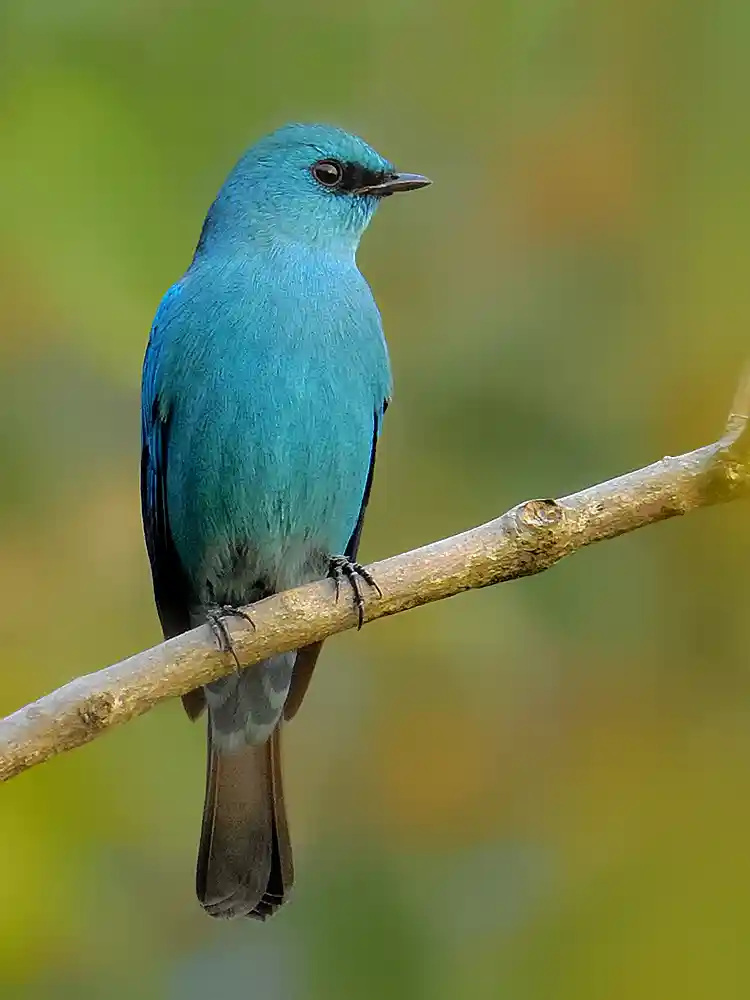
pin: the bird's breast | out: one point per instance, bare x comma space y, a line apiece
271, 444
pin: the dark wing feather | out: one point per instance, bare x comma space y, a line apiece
308, 656
172, 590
353, 547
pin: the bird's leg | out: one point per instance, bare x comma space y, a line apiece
216, 613
340, 568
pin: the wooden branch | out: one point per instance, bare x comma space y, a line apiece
527, 539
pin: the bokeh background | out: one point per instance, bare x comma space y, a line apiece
536, 792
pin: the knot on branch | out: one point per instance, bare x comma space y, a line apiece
540, 513
540, 532
96, 710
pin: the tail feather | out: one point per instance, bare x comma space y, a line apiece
194, 702
245, 858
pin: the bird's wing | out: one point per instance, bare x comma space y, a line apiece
308, 656
353, 547
171, 586
172, 590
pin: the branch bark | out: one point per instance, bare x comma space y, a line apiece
525, 540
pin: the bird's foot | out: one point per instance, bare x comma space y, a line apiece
216, 615
340, 568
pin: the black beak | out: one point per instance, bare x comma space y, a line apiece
393, 183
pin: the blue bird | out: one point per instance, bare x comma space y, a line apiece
265, 383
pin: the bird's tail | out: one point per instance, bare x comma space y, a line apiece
245, 857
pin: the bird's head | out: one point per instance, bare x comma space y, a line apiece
309, 184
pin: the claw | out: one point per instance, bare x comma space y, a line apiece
342, 568
335, 572
216, 616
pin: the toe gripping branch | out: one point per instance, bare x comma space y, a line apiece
341, 568
216, 616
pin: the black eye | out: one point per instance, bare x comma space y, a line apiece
329, 173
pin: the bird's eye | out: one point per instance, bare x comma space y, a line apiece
329, 173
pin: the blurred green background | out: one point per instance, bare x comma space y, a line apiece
537, 792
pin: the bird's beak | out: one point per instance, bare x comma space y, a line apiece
394, 183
